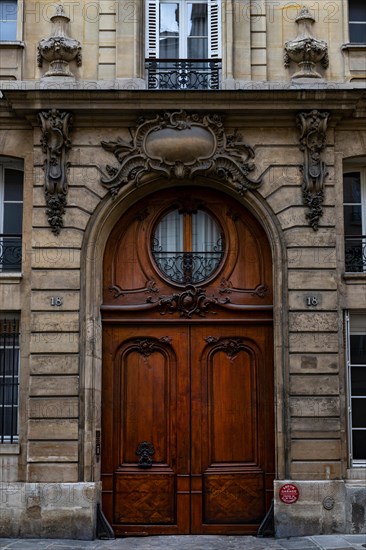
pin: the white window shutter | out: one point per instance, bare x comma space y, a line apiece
214, 18
152, 29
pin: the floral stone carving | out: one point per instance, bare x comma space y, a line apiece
59, 49
313, 127
179, 145
305, 49
55, 144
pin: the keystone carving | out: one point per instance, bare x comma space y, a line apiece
182, 146
313, 127
192, 301
59, 49
55, 144
305, 49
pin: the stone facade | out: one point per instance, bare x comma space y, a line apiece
50, 478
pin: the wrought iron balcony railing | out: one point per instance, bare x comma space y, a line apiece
10, 253
355, 253
183, 74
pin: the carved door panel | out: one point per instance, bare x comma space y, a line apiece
232, 427
146, 424
188, 430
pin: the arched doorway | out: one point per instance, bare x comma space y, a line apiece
187, 391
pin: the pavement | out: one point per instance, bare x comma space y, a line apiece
193, 542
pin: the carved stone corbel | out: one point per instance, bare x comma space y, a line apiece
55, 144
313, 127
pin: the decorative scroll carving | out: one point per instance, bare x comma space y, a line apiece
147, 346
305, 49
150, 288
192, 301
226, 287
180, 145
313, 127
55, 144
59, 49
145, 450
231, 346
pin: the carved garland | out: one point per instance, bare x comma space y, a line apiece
180, 145
55, 144
313, 127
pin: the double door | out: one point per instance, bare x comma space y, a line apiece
188, 435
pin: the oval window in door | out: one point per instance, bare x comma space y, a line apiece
188, 247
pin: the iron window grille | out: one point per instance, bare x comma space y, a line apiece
183, 74
354, 210
9, 380
11, 214
356, 374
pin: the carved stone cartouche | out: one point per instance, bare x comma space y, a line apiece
59, 49
305, 49
313, 127
55, 144
181, 146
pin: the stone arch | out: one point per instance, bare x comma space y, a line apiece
96, 235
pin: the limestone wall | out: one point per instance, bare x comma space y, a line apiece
253, 36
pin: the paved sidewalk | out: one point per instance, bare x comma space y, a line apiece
190, 542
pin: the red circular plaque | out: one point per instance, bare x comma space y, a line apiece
289, 493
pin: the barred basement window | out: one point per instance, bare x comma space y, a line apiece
11, 214
9, 379
354, 208
356, 368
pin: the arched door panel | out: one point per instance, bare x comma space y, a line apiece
187, 420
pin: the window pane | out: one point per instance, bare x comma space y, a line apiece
358, 349
206, 236
13, 188
357, 33
197, 48
169, 31
197, 24
358, 381
8, 421
358, 413
13, 218
352, 188
357, 10
359, 444
353, 220
8, 20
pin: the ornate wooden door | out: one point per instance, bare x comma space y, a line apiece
187, 419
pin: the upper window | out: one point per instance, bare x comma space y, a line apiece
183, 44
357, 21
8, 20
356, 365
9, 378
11, 214
354, 199
187, 247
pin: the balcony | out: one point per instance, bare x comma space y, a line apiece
355, 254
10, 253
183, 74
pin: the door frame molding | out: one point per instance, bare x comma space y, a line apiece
95, 238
